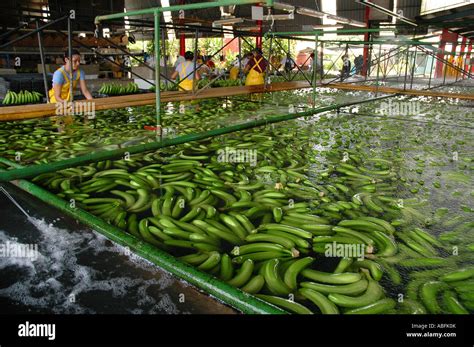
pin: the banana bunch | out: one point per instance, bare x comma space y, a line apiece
23, 97
115, 89
163, 86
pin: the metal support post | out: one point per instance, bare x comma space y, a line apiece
378, 71
321, 63
431, 71
241, 75
157, 74
269, 58
195, 59
315, 59
413, 68
165, 59
45, 81
406, 68
69, 43
445, 70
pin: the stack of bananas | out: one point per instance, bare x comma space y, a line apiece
115, 89
23, 97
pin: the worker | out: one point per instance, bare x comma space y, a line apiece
62, 79
237, 64
60, 93
186, 73
288, 63
358, 63
346, 67
234, 70
179, 59
209, 63
255, 68
275, 62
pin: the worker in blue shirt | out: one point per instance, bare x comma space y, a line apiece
62, 79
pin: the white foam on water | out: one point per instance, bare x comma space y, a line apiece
26, 263
57, 278
167, 305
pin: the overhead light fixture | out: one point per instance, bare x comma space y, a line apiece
338, 19
284, 7
346, 21
328, 26
227, 21
356, 23
386, 11
288, 16
254, 28
309, 12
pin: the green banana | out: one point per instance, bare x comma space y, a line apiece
288, 305
321, 301
377, 307
291, 274
352, 289
331, 278
373, 293
243, 274
274, 283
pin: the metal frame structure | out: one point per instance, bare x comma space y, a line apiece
157, 11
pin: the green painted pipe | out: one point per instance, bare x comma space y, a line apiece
35, 170
195, 6
230, 295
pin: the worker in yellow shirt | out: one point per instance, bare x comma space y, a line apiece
62, 79
186, 68
237, 64
256, 69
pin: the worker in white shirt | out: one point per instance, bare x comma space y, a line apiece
186, 73
179, 59
288, 63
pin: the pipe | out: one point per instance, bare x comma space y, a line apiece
340, 31
35, 170
14, 30
195, 6
211, 285
45, 81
